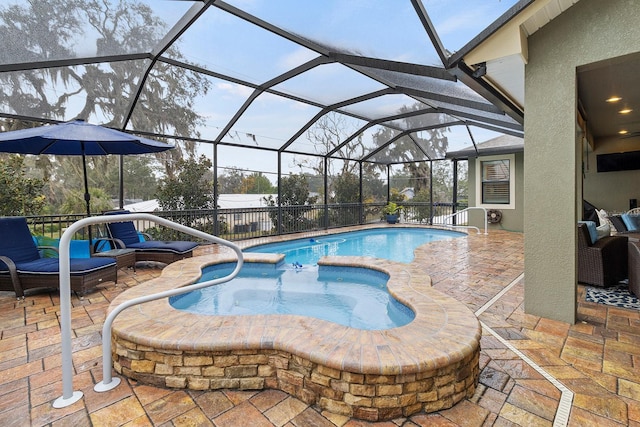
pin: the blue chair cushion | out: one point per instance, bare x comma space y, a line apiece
631, 222
16, 242
78, 266
178, 246
593, 231
79, 249
124, 231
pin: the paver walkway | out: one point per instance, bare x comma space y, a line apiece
597, 359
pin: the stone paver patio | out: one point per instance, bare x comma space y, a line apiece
597, 359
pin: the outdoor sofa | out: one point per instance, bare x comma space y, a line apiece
601, 261
627, 223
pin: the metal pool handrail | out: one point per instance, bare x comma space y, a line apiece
446, 217
68, 395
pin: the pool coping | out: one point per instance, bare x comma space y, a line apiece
444, 334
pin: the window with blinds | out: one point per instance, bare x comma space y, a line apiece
495, 182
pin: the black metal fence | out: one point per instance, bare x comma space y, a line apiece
238, 224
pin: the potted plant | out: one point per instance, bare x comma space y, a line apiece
392, 212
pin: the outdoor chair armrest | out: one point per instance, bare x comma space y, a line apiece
13, 273
119, 244
53, 248
146, 236
617, 242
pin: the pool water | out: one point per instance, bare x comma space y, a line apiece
395, 244
354, 297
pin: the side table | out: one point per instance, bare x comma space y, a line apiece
124, 257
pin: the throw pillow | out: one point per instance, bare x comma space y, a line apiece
603, 231
630, 222
603, 216
593, 232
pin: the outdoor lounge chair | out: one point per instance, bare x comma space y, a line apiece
123, 235
22, 267
603, 262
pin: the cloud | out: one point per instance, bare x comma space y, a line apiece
463, 22
295, 58
234, 89
457, 23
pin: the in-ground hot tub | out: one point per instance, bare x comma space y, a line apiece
427, 365
349, 296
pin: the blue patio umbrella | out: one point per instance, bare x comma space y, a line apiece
77, 138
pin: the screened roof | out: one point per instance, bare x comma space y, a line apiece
261, 74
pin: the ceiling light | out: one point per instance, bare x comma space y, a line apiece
614, 99
623, 132
625, 111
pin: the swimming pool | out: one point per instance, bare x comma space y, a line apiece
395, 244
357, 298
354, 297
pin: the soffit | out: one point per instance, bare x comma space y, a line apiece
503, 51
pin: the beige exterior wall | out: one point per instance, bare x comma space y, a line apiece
512, 219
589, 31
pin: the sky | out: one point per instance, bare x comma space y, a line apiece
386, 29
383, 29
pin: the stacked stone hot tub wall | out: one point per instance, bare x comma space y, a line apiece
428, 365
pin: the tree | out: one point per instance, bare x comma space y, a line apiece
190, 188
257, 183
373, 188
433, 141
396, 196
439, 179
74, 202
236, 181
50, 30
295, 202
401, 179
442, 181
422, 210
20, 194
40, 31
327, 134
346, 189
463, 183
140, 181
316, 182
230, 182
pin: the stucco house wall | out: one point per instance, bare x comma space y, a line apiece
589, 31
512, 219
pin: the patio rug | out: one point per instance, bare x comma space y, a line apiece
618, 296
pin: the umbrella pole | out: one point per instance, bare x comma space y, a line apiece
87, 196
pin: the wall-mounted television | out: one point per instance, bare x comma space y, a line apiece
618, 161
